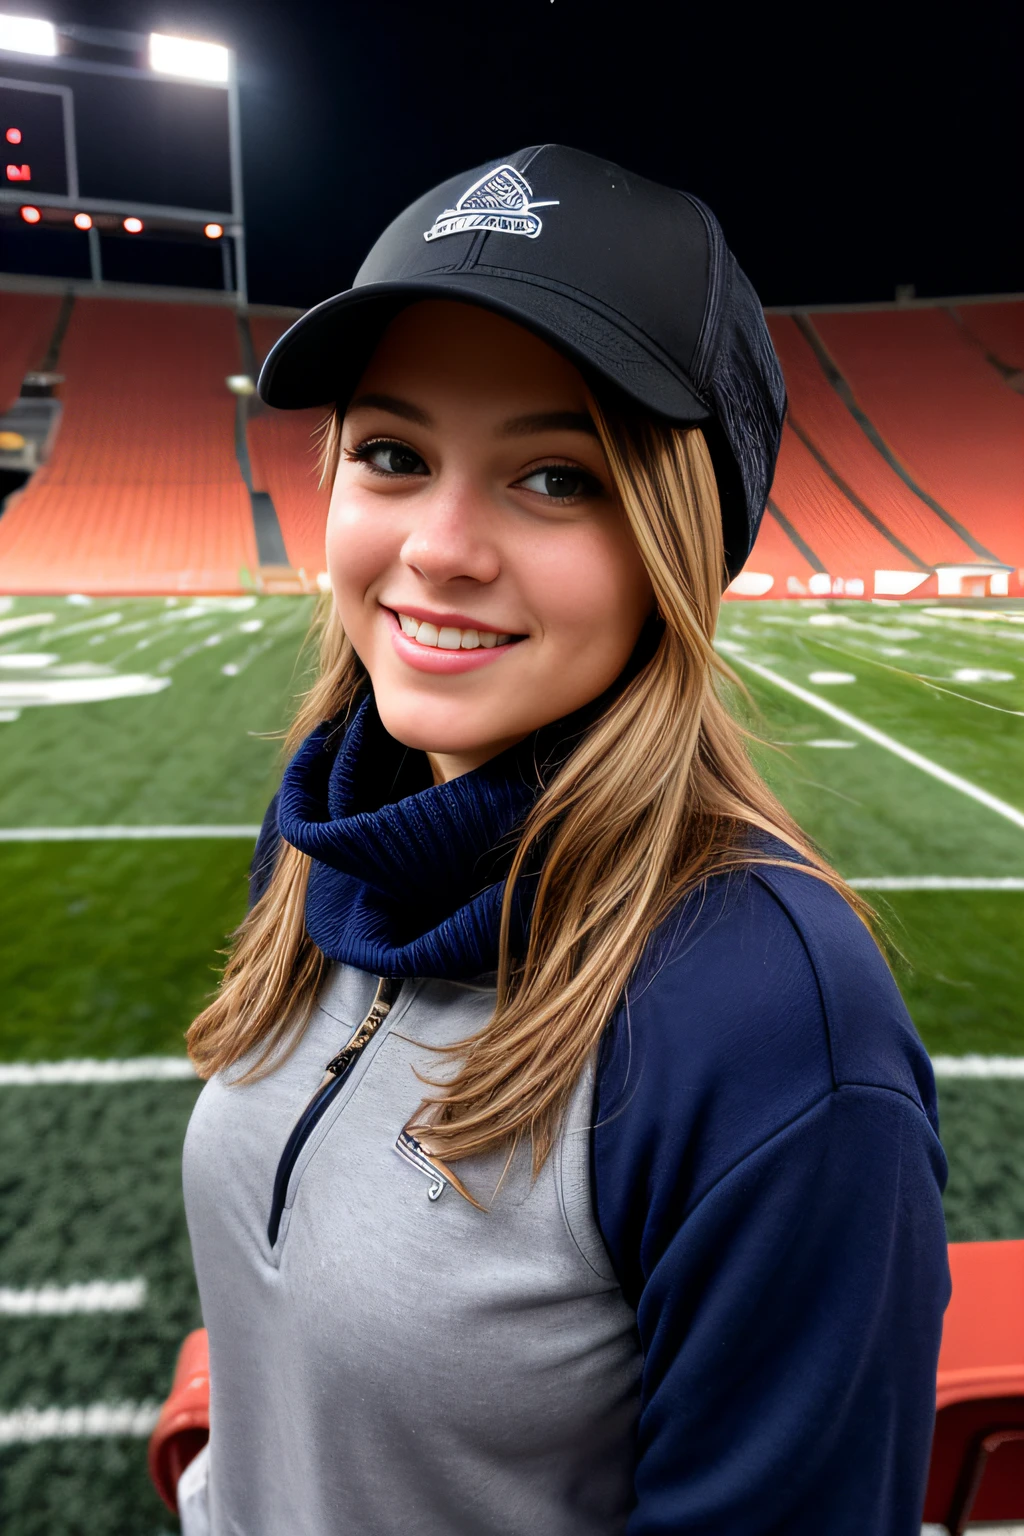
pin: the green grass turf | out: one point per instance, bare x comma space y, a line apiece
112, 948
109, 948
90, 1188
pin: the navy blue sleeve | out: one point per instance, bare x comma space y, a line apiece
767, 1179
264, 855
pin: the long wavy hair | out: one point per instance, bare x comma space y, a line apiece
659, 795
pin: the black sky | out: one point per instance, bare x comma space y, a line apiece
845, 149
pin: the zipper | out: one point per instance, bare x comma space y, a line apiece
335, 1073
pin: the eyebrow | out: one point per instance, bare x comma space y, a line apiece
518, 426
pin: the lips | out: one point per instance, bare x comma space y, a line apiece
451, 631
429, 644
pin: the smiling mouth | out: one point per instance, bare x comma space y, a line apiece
449, 638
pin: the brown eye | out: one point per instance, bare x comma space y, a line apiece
389, 458
561, 482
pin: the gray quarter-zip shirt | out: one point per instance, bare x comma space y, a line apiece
399, 1361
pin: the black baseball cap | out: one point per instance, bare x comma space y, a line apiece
631, 280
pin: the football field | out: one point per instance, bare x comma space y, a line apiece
138, 751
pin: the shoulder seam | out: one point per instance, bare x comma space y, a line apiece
797, 929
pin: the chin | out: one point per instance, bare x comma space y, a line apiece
425, 726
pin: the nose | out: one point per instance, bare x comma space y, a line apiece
452, 536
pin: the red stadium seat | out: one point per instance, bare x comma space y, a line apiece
977, 1468
184, 1424
143, 491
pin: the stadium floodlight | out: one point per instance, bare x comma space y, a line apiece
213, 231
13, 135
83, 221
240, 384
187, 56
132, 225
26, 34
31, 215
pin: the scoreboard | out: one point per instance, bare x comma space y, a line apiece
96, 138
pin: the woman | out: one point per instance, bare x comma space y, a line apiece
568, 1162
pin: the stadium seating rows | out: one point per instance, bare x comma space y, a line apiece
283, 449
142, 492
904, 450
26, 324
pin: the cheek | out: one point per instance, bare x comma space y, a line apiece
361, 545
589, 586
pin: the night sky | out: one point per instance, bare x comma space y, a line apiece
845, 149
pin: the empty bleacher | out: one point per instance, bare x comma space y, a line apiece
903, 452
27, 321
946, 414
283, 449
903, 449
143, 492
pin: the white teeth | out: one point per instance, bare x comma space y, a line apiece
447, 637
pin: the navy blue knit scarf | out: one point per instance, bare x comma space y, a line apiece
408, 877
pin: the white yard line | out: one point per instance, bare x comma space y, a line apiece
66, 1300
129, 1069
916, 759
938, 883
91, 834
24, 1426
978, 1066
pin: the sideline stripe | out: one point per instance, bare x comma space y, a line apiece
27, 1425
978, 1066
64, 1300
89, 834
939, 883
843, 716
130, 1069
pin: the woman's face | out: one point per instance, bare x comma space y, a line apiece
479, 556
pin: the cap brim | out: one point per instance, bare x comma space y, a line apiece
321, 358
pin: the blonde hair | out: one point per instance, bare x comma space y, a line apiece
659, 795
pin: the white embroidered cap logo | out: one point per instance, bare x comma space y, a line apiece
499, 201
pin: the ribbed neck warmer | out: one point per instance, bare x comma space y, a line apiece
408, 876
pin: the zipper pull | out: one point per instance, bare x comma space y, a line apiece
387, 990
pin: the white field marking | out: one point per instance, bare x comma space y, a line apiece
916, 759
974, 613
27, 661
79, 690
981, 675
828, 741
25, 1426
128, 1069
26, 621
832, 677
119, 834
978, 1066
939, 883
104, 621
66, 1300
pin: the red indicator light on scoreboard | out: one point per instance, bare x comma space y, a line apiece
213, 231
13, 135
133, 226
83, 221
19, 173
31, 215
